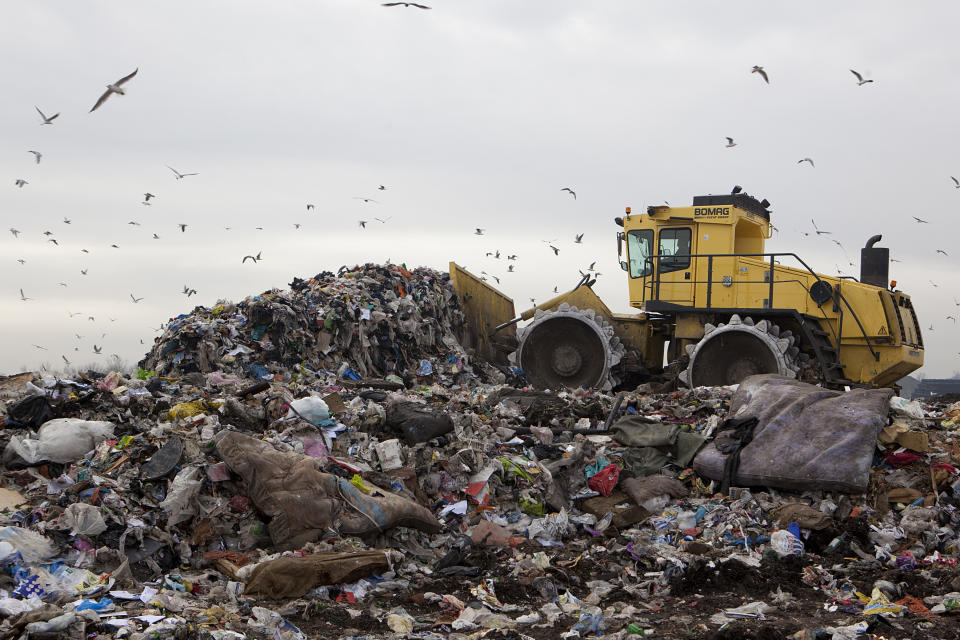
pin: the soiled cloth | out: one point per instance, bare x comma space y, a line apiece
293, 577
653, 445
805, 516
806, 437
643, 490
303, 502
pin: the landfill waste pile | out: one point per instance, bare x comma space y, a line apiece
328, 462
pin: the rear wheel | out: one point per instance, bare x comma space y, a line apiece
730, 352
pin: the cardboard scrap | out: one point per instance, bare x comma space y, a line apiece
901, 434
9, 499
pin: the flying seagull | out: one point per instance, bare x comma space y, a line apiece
510, 268
384, 220
365, 199
943, 252
23, 297
15, 232
66, 220
860, 80
362, 223
578, 239
801, 160
309, 207
147, 196
135, 300
571, 191
183, 227
479, 232
405, 4
20, 182
180, 176
819, 233
97, 349
556, 251
65, 359
730, 142
134, 223
37, 155
955, 182
382, 188
116, 87
512, 256
763, 74
46, 120
919, 221
255, 258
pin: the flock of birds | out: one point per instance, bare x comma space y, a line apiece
500, 264
118, 88
861, 81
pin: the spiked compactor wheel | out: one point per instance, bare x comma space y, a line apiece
730, 352
568, 348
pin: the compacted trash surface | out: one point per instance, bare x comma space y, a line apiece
327, 461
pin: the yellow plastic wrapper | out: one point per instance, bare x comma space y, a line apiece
186, 409
879, 603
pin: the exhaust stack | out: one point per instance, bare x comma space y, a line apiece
875, 263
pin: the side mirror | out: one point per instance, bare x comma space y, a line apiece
623, 265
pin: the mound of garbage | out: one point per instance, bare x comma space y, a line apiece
328, 462
369, 321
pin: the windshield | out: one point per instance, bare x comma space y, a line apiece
639, 248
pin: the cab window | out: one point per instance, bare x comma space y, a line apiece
639, 248
674, 249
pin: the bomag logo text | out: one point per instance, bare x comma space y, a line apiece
711, 212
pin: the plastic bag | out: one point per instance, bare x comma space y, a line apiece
785, 543
83, 519
62, 440
908, 408
311, 408
33, 547
181, 501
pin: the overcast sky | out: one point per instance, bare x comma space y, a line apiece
472, 114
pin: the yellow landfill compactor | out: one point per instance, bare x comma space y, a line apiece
714, 302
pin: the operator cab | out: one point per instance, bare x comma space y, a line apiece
667, 246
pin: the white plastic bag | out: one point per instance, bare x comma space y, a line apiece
181, 501
310, 408
785, 543
62, 440
33, 547
84, 519
907, 408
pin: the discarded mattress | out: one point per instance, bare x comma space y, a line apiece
806, 437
